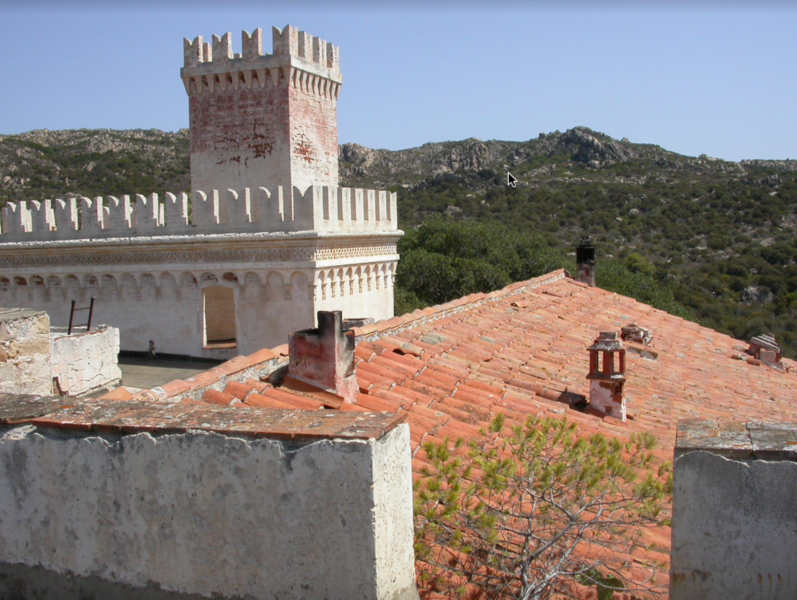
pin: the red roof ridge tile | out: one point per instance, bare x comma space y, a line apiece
239, 390
220, 398
328, 399
441, 310
120, 393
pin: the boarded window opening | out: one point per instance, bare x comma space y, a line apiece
219, 317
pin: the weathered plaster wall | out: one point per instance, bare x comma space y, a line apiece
238, 208
165, 305
313, 134
393, 529
204, 513
85, 361
734, 532
607, 397
240, 137
24, 351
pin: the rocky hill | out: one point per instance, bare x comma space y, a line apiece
45, 164
722, 233
92, 162
549, 156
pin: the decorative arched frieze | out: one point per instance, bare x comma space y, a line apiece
301, 288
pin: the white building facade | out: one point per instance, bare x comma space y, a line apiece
266, 239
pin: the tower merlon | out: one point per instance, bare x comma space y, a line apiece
222, 48
252, 44
193, 51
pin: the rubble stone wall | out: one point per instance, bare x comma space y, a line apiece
24, 351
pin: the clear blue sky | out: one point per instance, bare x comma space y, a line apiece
715, 78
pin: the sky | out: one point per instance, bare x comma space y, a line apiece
715, 78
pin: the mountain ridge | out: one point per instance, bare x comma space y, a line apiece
721, 235
47, 163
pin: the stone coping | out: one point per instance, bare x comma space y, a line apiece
12, 314
110, 416
191, 239
734, 439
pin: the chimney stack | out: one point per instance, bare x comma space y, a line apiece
634, 333
607, 375
585, 262
766, 349
324, 357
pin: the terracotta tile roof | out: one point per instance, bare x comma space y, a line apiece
520, 351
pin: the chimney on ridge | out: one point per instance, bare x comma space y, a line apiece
585, 262
324, 357
634, 333
766, 349
607, 375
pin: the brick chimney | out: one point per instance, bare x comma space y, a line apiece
766, 349
585, 262
607, 375
634, 333
324, 357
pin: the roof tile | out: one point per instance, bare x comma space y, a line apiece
514, 351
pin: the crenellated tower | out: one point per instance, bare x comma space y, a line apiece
263, 119
264, 240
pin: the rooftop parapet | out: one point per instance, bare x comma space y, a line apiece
234, 483
248, 210
202, 58
735, 487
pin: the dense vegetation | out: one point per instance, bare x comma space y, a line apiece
727, 248
708, 239
443, 259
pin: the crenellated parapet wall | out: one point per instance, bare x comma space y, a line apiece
319, 208
214, 67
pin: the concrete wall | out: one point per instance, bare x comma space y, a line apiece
24, 351
208, 514
734, 532
85, 362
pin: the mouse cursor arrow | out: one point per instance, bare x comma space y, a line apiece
510, 180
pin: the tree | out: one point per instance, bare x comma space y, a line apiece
442, 260
537, 510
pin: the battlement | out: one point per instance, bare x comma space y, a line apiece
203, 60
248, 210
291, 41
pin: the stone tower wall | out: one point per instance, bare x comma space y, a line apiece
258, 118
